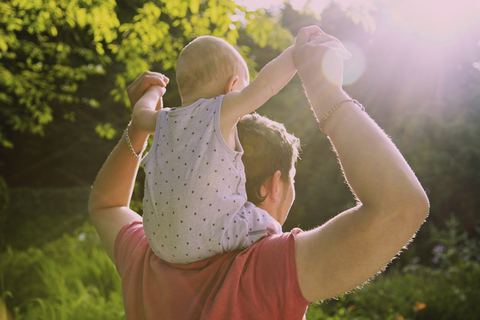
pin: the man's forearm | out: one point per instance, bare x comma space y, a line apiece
113, 186
374, 168
109, 200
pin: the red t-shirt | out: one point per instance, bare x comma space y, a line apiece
259, 282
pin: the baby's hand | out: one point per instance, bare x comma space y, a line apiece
145, 111
147, 79
160, 91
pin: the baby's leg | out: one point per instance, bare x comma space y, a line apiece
201, 241
186, 245
249, 225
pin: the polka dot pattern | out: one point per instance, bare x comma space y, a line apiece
195, 199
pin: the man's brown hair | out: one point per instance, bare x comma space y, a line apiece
268, 147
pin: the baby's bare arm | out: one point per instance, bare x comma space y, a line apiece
270, 80
145, 111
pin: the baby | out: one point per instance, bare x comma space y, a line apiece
195, 203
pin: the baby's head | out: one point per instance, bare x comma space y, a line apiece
209, 62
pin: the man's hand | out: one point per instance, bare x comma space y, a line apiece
323, 39
319, 60
143, 82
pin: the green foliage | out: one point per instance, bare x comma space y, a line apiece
48, 47
446, 150
341, 311
34, 217
455, 273
105, 130
70, 278
4, 203
445, 290
51, 49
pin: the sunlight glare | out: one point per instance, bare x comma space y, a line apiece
253, 5
476, 65
353, 68
439, 20
316, 6
330, 67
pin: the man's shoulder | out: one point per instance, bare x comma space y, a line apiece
270, 261
132, 238
276, 242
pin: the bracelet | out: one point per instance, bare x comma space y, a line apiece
129, 144
329, 112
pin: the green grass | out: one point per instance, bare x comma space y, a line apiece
73, 278
67, 279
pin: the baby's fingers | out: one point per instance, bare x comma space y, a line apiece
159, 105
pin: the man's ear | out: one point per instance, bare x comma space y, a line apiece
231, 83
272, 188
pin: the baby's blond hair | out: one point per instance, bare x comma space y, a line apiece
205, 60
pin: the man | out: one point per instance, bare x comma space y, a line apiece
277, 277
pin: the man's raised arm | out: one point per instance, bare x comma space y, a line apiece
109, 200
356, 244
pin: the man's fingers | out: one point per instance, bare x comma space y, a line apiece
305, 33
332, 43
158, 74
322, 38
339, 49
160, 101
143, 82
154, 80
147, 79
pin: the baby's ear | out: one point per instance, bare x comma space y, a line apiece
229, 86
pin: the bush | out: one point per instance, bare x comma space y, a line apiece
35, 217
446, 289
69, 278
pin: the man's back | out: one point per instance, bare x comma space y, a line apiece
259, 282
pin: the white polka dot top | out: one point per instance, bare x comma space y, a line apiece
195, 197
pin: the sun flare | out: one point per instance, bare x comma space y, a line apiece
438, 20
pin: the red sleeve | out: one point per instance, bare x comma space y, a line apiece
259, 282
130, 242
270, 277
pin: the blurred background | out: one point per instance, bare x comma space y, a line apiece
64, 67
